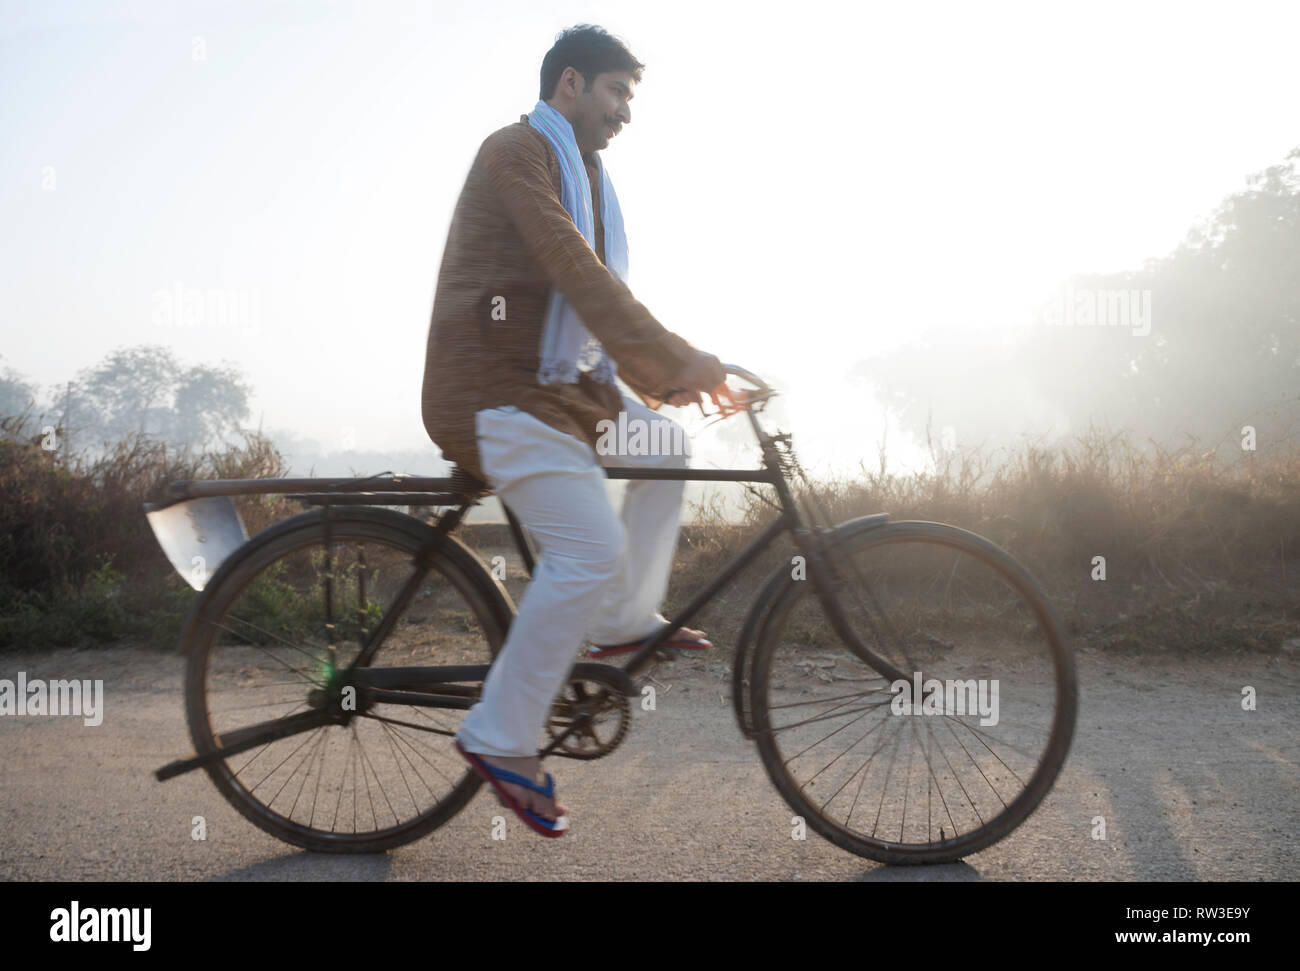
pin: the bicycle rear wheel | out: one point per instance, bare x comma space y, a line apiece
867, 769
259, 652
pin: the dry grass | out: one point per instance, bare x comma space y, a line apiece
1201, 552
77, 557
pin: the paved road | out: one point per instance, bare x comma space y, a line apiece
1191, 787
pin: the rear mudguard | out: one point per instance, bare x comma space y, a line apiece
760, 614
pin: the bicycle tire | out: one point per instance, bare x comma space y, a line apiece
849, 543
456, 577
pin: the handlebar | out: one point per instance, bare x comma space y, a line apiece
741, 399
739, 372
745, 399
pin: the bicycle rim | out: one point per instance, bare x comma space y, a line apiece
259, 649
916, 783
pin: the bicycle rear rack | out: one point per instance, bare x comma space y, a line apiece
198, 526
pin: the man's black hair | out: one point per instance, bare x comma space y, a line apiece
590, 51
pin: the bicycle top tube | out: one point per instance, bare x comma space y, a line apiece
457, 487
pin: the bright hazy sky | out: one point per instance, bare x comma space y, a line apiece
803, 184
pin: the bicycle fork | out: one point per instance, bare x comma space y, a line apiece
827, 582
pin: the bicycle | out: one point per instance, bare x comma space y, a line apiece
308, 654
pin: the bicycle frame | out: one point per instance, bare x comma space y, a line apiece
791, 520
461, 493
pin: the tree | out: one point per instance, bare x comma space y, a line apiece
1223, 348
145, 390
209, 402
16, 395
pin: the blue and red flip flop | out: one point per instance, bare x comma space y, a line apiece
678, 641
495, 777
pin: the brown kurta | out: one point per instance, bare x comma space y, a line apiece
512, 237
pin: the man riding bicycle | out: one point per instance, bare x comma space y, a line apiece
532, 324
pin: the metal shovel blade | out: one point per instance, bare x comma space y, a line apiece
197, 535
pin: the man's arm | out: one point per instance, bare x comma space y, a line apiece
648, 399
649, 356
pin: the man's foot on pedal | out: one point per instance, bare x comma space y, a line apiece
685, 639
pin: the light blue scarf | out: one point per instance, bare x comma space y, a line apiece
566, 342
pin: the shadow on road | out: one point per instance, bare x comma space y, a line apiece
306, 865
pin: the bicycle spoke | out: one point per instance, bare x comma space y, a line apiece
287, 643
809, 721
982, 735
264, 704
907, 787
935, 781
380, 785
889, 771
411, 745
392, 747
821, 701
284, 760
310, 758
825, 738
320, 774
845, 783
960, 784
977, 765
397, 721
253, 758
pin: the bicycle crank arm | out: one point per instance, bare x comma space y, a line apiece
244, 739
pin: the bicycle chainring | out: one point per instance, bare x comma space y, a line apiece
598, 713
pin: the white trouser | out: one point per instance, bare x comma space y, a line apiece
595, 575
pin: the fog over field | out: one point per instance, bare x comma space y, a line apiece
936, 229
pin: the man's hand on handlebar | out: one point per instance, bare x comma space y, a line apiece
703, 374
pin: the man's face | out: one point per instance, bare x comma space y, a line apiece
599, 114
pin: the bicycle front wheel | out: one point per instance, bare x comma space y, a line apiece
935, 779
260, 652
